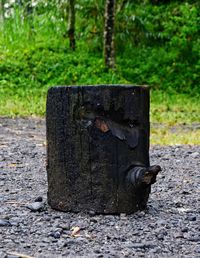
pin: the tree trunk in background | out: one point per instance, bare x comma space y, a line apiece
109, 53
29, 9
71, 25
2, 11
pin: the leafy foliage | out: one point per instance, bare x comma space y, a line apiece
157, 43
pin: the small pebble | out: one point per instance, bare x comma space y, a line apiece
4, 222
12, 256
192, 218
56, 234
39, 199
195, 155
36, 206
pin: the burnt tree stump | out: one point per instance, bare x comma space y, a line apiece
98, 148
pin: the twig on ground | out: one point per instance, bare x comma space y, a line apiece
20, 255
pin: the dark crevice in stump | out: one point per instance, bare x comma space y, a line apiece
98, 148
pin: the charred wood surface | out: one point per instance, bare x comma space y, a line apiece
98, 148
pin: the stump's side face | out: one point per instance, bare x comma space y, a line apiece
95, 134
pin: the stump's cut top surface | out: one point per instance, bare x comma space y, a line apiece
102, 86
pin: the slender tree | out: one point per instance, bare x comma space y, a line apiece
109, 51
28, 8
71, 24
2, 10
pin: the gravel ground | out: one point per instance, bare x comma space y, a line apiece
170, 227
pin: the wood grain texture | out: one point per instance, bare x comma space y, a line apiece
95, 134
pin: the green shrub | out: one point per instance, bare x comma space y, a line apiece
156, 44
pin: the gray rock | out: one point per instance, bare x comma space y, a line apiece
138, 245
64, 226
2, 183
185, 229
161, 222
192, 218
56, 234
178, 235
4, 222
36, 206
194, 238
160, 236
12, 256
39, 199
195, 155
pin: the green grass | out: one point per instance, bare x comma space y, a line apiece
171, 114
173, 108
168, 135
165, 108
167, 111
35, 56
28, 72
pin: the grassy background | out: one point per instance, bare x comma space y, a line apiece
158, 46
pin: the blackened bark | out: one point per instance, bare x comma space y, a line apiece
98, 148
109, 50
71, 24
